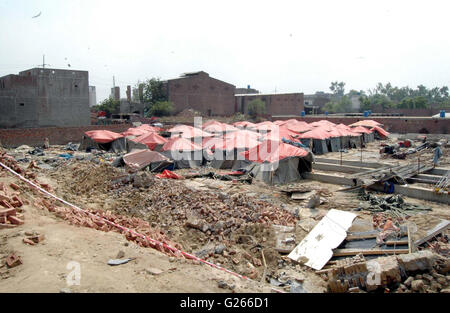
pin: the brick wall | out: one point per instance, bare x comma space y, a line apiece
276, 104
56, 135
400, 125
202, 93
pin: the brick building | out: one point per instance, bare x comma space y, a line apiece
44, 97
276, 104
199, 91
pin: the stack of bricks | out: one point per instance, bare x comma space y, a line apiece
347, 274
10, 204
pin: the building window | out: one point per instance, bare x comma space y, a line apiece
76, 86
22, 104
195, 87
212, 87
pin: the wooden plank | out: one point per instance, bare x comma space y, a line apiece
439, 228
396, 242
348, 252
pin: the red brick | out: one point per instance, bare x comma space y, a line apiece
29, 241
5, 204
2, 226
13, 260
8, 212
14, 186
15, 220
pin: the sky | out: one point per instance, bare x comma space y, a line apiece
273, 46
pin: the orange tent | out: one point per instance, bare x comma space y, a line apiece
361, 129
151, 140
380, 131
180, 144
102, 136
366, 123
273, 151
316, 133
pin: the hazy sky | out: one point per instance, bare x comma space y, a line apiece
287, 46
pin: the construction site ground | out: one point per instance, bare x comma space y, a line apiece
176, 209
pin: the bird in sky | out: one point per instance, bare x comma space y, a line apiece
37, 15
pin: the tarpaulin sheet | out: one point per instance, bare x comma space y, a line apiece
151, 140
102, 136
169, 174
273, 151
380, 131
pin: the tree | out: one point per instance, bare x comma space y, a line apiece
110, 106
344, 104
154, 91
256, 107
161, 108
337, 88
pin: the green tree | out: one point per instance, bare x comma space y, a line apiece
337, 88
110, 106
344, 104
161, 108
154, 90
256, 108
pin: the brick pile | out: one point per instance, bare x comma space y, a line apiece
10, 206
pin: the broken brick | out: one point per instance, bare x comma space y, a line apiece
2, 226
5, 204
15, 220
8, 212
29, 241
14, 186
13, 260
37, 239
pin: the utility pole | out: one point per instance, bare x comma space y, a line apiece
114, 82
43, 61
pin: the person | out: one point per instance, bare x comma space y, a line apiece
437, 155
46, 143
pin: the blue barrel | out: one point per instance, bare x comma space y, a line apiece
303, 113
442, 114
366, 113
326, 113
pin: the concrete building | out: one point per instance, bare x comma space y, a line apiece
92, 96
41, 97
315, 102
199, 91
115, 93
276, 104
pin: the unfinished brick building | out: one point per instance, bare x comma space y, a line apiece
41, 97
199, 91
276, 104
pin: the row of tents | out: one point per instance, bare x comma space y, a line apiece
276, 152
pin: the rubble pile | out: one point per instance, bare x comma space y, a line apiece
393, 205
414, 272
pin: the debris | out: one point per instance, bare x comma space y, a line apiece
154, 271
114, 262
65, 290
417, 285
221, 284
13, 260
120, 254
441, 227
316, 248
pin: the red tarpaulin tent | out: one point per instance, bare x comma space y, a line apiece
380, 131
273, 151
102, 136
366, 123
361, 129
151, 140
180, 144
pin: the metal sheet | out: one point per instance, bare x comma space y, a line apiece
315, 250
